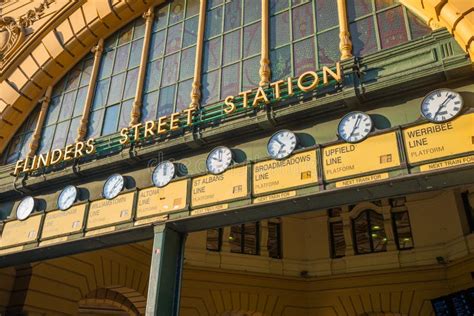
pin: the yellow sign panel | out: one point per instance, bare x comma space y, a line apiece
433, 141
20, 232
156, 201
275, 175
109, 212
362, 180
230, 185
448, 163
59, 222
375, 153
210, 209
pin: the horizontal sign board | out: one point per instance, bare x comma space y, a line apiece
110, 212
448, 163
20, 232
362, 180
230, 185
433, 141
158, 201
373, 154
57, 223
275, 175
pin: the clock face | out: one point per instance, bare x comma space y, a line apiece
441, 105
355, 127
219, 160
163, 174
25, 208
282, 144
113, 186
67, 197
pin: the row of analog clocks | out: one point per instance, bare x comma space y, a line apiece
438, 106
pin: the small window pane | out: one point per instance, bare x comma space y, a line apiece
139, 31
166, 101
356, 9
235, 239
233, 10
176, 11
326, 14
161, 18
153, 74
126, 34
184, 95
304, 55
136, 54
73, 128
95, 123
279, 30
230, 80
213, 22
214, 239
379, 239
74, 78
105, 69
125, 114
338, 243
251, 232
251, 77
303, 21
60, 135
190, 31
361, 234
253, 11
53, 110
173, 41
100, 96
363, 37
278, 5
210, 90
392, 27
280, 60
14, 150
86, 72
171, 65
212, 54
274, 240
252, 41
116, 89
80, 101
46, 139
111, 119
188, 57
192, 8
328, 48
131, 84
149, 107
67, 106
213, 3
417, 26
381, 4
121, 60
157, 46
231, 47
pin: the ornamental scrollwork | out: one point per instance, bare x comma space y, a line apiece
11, 35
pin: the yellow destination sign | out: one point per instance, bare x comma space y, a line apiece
20, 232
275, 175
156, 201
448, 163
57, 223
230, 185
274, 197
375, 153
108, 212
433, 141
210, 209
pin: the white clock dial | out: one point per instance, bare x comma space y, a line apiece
282, 144
219, 160
355, 127
67, 197
25, 208
113, 186
441, 105
163, 174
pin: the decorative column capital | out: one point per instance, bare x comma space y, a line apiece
99, 48
149, 14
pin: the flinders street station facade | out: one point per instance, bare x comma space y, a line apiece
237, 157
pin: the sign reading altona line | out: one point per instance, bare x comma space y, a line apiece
433, 141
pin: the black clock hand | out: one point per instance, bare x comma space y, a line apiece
443, 105
356, 125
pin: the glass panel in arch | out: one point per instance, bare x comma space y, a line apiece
184, 95
381, 4
326, 14
171, 57
417, 26
305, 57
303, 21
358, 8
124, 120
230, 46
392, 27
363, 37
328, 48
280, 60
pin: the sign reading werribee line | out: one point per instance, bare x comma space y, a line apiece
276, 175
433, 141
230, 185
375, 153
158, 201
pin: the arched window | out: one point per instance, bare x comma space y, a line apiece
369, 232
20, 144
117, 80
171, 59
66, 107
232, 41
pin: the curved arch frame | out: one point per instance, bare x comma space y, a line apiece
64, 43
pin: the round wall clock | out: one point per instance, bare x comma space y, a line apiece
25, 208
67, 197
219, 160
441, 105
113, 186
163, 174
355, 127
282, 144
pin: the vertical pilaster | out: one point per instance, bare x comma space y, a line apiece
345, 44
39, 124
165, 272
265, 58
82, 130
196, 89
137, 104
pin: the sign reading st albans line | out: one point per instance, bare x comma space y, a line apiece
255, 98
